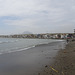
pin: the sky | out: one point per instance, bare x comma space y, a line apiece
37, 16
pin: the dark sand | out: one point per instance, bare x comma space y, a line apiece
29, 62
64, 63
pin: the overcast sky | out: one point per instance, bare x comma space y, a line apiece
37, 16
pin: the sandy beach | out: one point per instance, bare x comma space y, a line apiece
31, 61
64, 63
57, 58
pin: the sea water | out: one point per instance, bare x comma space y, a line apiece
8, 45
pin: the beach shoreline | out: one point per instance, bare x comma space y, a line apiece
31, 61
64, 63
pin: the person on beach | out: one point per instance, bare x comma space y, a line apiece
67, 40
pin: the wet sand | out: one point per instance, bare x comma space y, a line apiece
64, 63
29, 62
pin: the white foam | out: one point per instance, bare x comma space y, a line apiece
8, 41
15, 50
3, 42
21, 49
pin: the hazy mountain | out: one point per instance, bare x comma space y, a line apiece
27, 32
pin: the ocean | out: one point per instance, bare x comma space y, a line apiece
8, 45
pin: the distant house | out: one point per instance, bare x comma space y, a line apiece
70, 36
63, 36
45, 36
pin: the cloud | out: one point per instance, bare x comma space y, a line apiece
27, 7
38, 14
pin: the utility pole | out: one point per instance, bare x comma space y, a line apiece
74, 31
